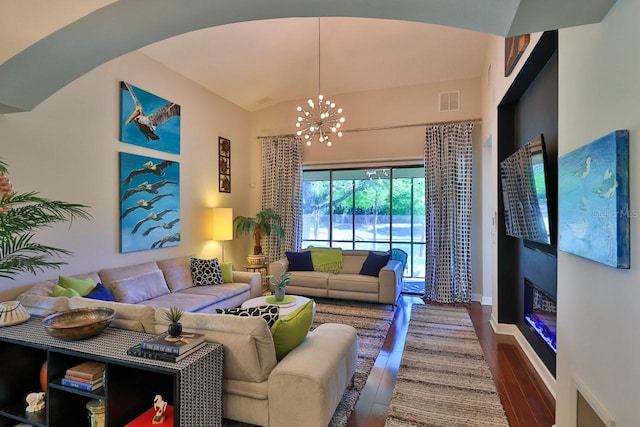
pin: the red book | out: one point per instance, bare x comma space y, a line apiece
146, 418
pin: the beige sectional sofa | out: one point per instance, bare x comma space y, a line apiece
348, 283
257, 389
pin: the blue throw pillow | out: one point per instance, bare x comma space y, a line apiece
373, 264
300, 261
100, 292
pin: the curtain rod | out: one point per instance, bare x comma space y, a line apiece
451, 122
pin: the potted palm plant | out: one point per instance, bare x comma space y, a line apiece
280, 282
21, 214
265, 223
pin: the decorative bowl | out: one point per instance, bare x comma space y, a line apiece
78, 323
12, 313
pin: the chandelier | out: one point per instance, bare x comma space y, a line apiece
319, 119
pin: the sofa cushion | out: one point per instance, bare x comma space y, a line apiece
177, 272
269, 313
139, 288
205, 272
109, 275
100, 292
227, 271
59, 291
289, 331
353, 283
310, 279
81, 286
134, 317
249, 353
374, 263
299, 261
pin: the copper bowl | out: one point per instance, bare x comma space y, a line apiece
78, 323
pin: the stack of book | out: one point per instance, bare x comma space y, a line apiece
167, 348
87, 376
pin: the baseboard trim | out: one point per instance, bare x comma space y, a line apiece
476, 297
538, 365
487, 301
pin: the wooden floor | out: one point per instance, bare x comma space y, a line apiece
524, 396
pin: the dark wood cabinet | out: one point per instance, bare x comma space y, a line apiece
193, 385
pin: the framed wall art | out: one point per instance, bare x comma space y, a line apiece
149, 203
224, 165
593, 200
513, 49
148, 120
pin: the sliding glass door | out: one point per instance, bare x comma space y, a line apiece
369, 209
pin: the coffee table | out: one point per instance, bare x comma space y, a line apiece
284, 308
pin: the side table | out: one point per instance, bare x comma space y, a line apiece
264, 271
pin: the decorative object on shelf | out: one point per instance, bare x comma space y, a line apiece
156, 120
21, 215
593, 201
280, 283
12, 313
149, 203
44, 380
173, 315
96, 412
160, 406
322, 119
265, 223
224, 165
514, 47
79, 323
35, 402
222, 229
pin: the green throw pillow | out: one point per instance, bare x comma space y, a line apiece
227, 272
59, 291
81, 286
289, 331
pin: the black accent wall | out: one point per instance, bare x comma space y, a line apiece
530, 108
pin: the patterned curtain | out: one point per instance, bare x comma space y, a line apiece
282, 191
448, 167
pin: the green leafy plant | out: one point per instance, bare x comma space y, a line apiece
280, 281
174, 314
21, 215
265, 223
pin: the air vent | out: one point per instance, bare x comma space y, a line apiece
449, 101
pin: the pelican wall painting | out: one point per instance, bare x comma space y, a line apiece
149, 203
148, 120
593, 200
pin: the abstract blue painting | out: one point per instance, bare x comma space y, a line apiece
149, 203
593, 200
148, 120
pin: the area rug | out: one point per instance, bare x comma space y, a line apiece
444, 379
372, 323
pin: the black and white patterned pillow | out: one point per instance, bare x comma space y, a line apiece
270, 313
205, 272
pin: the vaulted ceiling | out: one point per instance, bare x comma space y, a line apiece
244, 52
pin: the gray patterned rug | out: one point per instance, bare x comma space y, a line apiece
444, 379
372, 322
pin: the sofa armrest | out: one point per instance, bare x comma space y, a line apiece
390, 282
278, 267
319, 377
253, 279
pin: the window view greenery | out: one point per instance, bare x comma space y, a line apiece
369, 209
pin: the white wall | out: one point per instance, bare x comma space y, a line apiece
391, 107
598, 314
67, 149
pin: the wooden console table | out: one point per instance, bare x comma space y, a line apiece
193, 385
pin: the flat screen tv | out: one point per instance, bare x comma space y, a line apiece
524, 192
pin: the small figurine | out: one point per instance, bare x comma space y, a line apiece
160, 406
35, 401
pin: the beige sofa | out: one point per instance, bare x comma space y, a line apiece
348, 283
257, 389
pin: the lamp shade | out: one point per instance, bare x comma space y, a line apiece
222, 224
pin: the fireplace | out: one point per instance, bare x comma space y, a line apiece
540, 313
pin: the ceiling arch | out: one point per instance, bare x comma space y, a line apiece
40, 70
